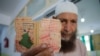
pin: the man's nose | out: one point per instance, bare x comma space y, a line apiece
67, 26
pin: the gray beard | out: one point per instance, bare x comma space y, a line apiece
68, 45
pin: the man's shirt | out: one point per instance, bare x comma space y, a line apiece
80, 50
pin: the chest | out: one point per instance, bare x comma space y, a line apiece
76, 52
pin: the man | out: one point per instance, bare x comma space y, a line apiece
67, 13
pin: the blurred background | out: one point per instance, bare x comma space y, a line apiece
88, 21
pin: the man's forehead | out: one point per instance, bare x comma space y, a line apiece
68, 15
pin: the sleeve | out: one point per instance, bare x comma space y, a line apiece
58, 54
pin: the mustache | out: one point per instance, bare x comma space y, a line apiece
66, 33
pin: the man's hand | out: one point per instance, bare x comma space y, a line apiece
19, 47
41, 50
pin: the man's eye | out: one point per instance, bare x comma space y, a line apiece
73, 21
63, 20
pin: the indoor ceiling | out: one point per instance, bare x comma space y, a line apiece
90, 11
9, 9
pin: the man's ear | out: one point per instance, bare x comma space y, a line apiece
54, 17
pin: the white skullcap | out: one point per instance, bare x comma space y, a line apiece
66, 7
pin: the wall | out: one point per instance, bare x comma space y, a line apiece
9, 32
96, 41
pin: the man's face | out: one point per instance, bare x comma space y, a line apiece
69, 24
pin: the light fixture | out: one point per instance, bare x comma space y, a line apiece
86, 37
92, 31
82, 20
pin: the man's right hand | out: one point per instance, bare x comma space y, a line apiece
41, 50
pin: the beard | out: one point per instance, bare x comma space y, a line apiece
68, 45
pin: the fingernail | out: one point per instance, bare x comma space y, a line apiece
44, 46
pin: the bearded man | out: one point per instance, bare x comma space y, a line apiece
67, 13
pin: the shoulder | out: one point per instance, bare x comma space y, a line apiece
81, 47
79, 43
